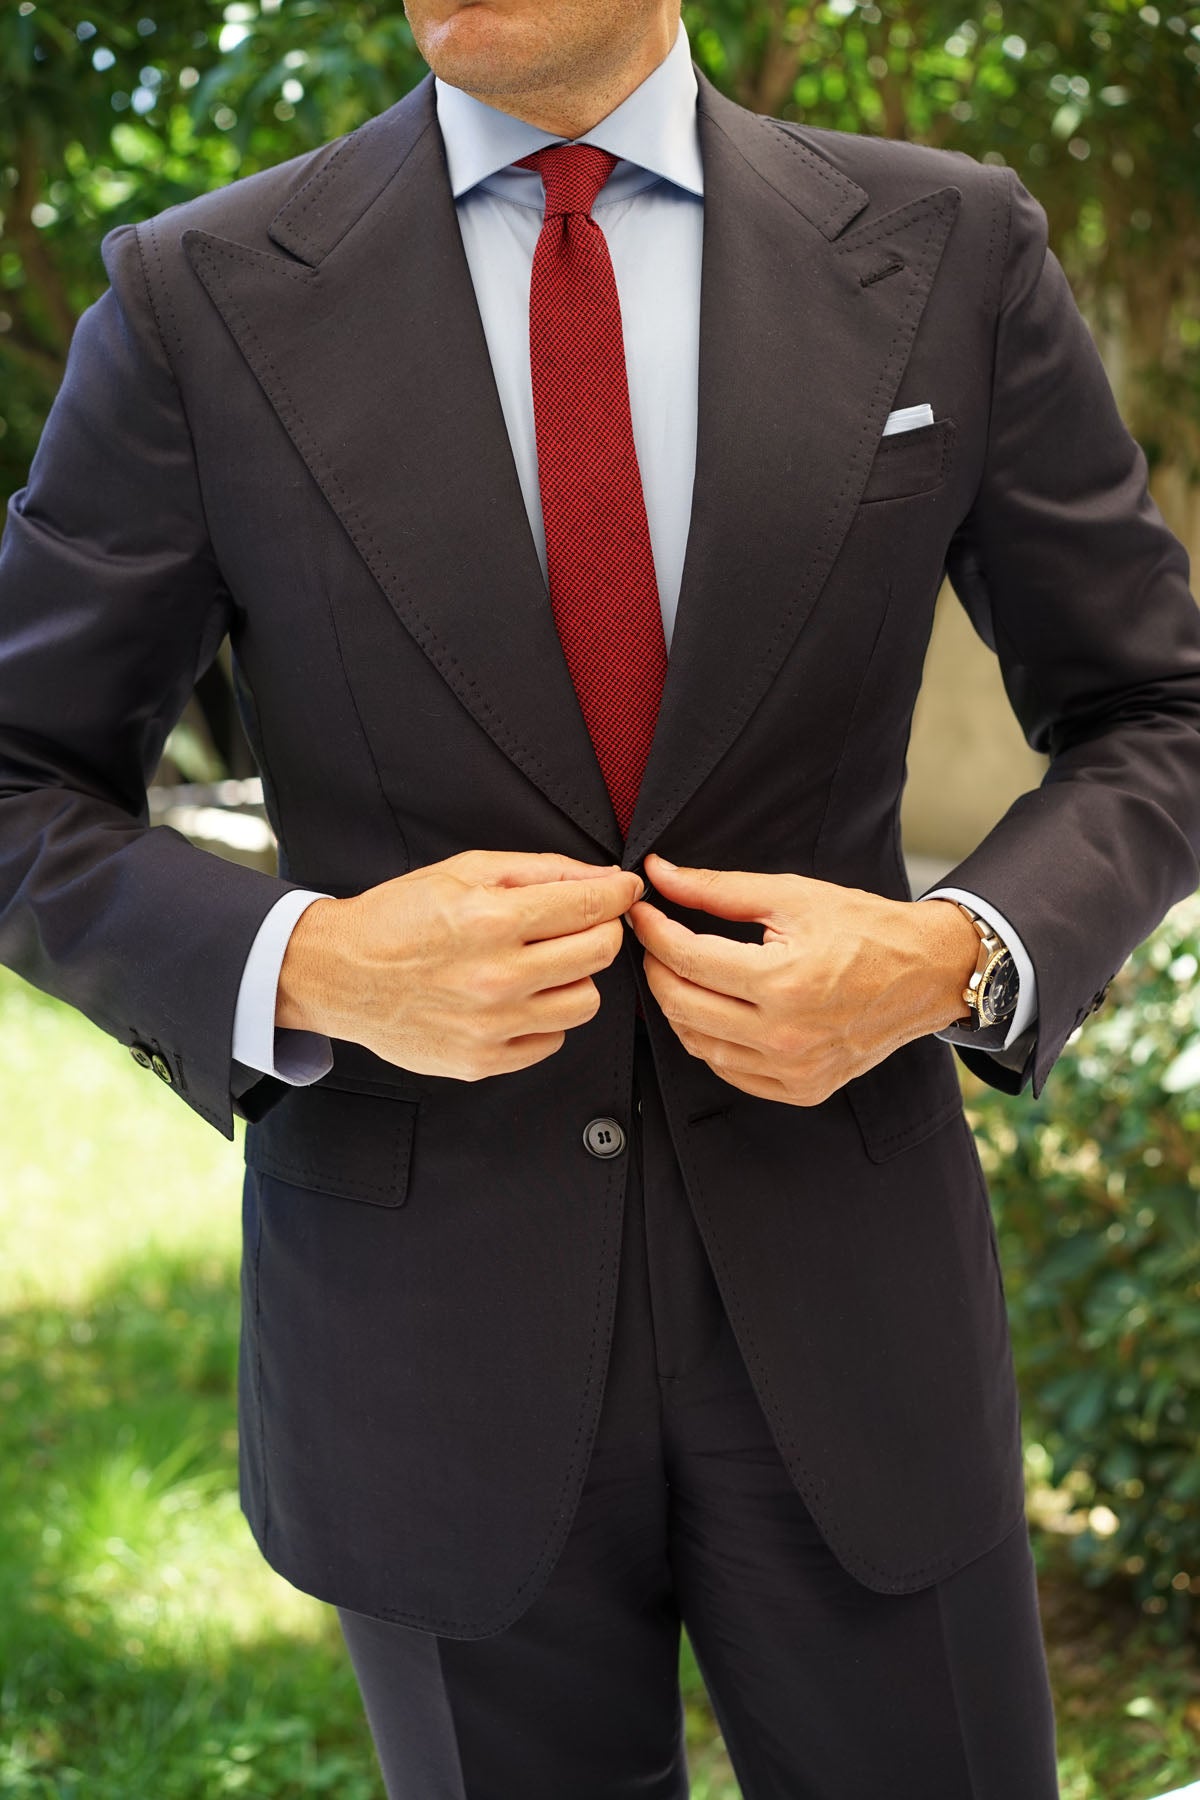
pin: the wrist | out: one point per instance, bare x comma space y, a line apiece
952, 950
306, 979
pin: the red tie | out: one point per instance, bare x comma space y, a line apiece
600, 563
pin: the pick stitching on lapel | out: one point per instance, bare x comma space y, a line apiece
367, 340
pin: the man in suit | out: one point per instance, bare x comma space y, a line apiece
609, 1262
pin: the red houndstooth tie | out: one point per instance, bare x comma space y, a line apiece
600, 563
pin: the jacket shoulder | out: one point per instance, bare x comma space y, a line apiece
894, 170
244, 207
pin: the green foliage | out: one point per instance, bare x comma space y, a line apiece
145, 1648
1096, 1188
118, 1530
111, 113
1095, 103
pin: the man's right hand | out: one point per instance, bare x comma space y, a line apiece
477, 965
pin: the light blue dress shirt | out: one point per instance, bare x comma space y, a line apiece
651, 210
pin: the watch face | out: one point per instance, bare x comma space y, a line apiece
998, 989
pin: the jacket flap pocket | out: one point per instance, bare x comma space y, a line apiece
351, 1144
910, 462
906, 1097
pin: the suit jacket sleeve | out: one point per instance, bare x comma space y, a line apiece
1069, 573
111, 605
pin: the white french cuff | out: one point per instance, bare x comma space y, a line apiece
1026, 1011
297, 1057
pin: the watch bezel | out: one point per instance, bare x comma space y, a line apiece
986, 980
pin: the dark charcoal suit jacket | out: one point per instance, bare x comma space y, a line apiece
280, 422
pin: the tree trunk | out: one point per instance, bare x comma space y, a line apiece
44, 281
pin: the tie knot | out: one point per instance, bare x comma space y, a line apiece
572, 174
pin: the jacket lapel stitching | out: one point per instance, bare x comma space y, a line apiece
941, 202
429, 640
851, 196
855, 466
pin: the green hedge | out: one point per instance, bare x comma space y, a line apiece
1096, 1194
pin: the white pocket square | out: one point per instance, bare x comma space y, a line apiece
907, 418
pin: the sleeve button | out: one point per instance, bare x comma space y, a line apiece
141, 1055
161, 1067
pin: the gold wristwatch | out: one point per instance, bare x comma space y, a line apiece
992, 990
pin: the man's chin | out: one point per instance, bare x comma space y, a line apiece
476, 49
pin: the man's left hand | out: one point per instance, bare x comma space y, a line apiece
841, 979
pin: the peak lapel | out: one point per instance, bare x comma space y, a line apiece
368, 342
798, 365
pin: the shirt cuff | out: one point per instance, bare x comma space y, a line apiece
1026, 1011
297, 1057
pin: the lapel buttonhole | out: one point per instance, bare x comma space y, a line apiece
892, 266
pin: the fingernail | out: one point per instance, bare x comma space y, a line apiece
666, 862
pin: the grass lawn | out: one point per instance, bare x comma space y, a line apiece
146, 1651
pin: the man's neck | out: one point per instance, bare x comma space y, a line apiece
569, 111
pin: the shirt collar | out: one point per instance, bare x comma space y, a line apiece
654, 131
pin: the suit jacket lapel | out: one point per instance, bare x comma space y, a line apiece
366, 338
371, 349
799, 363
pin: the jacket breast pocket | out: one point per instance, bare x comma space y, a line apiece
351, 1143
905, 1098
910, 462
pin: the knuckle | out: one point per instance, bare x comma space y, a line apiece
794, 989
789, 990
479, 1034
471, 866
579, 1003
683, 962
679, 963
588, 901
612, 936
486, 912
485, 984
494, 982
598, 903
670, 1011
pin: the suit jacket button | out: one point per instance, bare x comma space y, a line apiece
604, 1137
161, 1067
140, 1054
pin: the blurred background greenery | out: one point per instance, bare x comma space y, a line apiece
111, 113
144, 1647
147, 1650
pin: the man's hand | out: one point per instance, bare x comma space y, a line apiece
477, 965
842, 978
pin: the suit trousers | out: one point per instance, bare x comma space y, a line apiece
823, 1688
